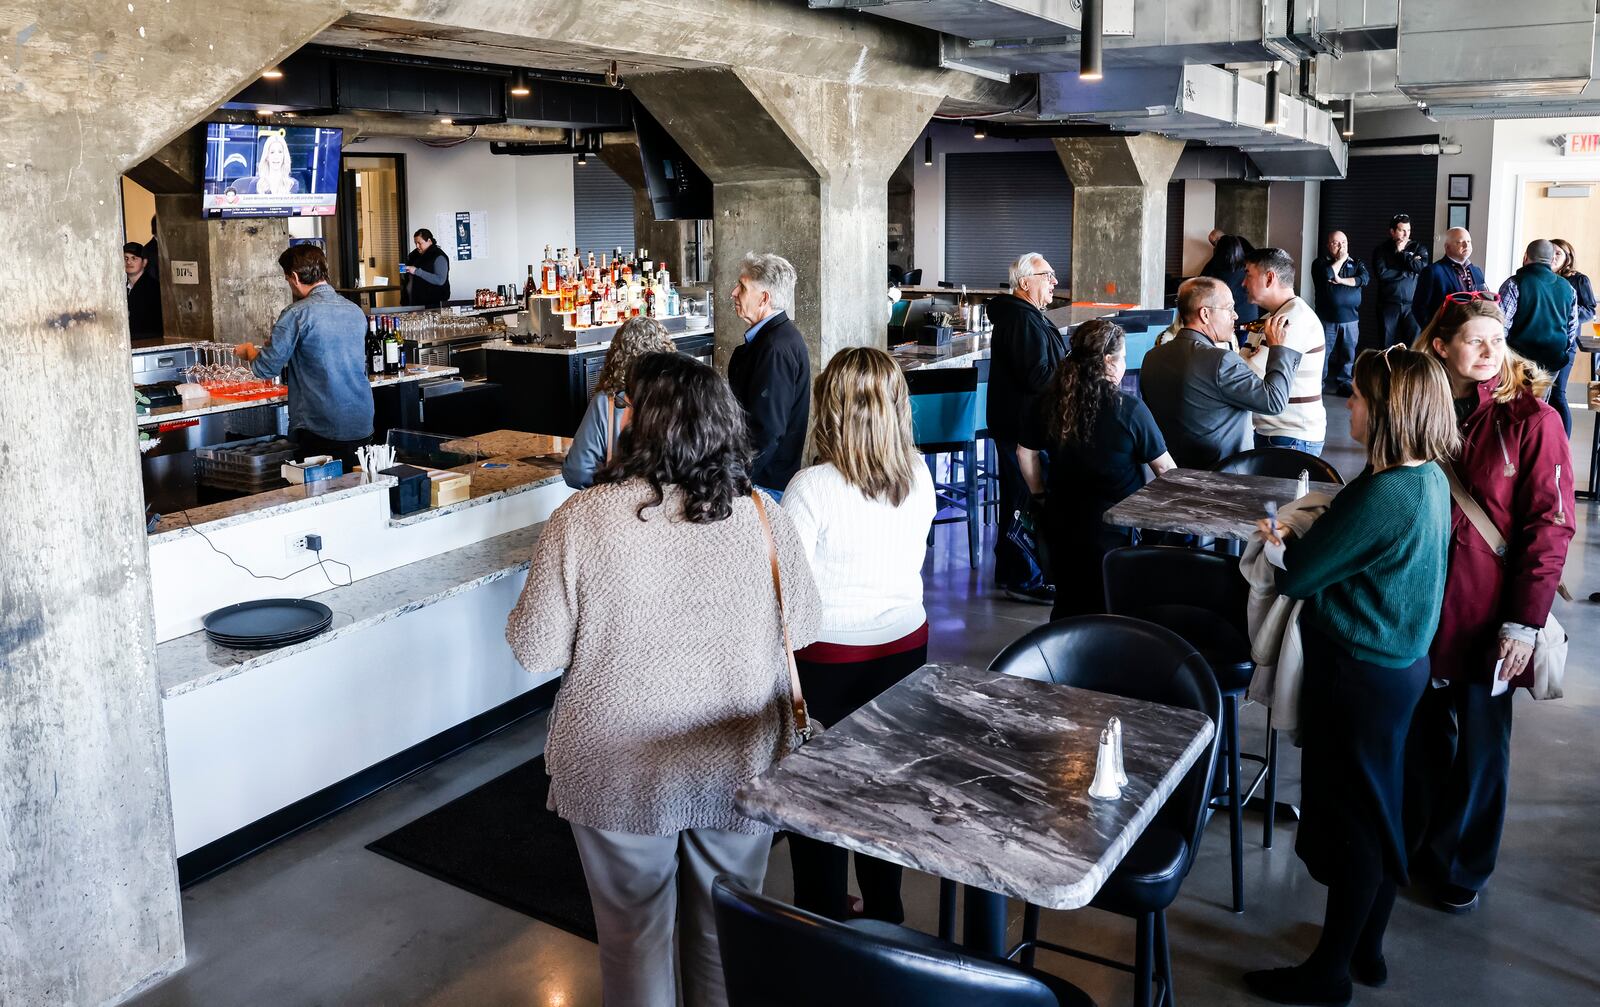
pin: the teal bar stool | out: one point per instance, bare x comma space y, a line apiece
944, 421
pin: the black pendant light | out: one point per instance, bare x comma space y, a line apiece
927, 151
1090, 50
1349, 127
1272, 96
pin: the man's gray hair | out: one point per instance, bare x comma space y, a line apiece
1542, 250
1026, 265
772, 273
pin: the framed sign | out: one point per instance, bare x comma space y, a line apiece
1581, 143
1460, 187
1457, 214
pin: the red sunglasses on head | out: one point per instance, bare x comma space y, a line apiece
1466, 297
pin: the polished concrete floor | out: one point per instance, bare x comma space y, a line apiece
319, 920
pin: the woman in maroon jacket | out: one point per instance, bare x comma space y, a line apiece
1517, 463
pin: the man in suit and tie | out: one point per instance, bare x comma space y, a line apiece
1451, 274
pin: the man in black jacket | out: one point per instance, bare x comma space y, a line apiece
1024, 349
771, 372
144, 293
1395, 265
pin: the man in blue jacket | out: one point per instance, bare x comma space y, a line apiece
1339, 281
1452, 274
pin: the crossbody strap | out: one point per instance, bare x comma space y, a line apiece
1479, 519
802, 721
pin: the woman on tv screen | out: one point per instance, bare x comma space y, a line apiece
272, 177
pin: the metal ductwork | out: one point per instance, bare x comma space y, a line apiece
1479, 49
1209, 105
986, 19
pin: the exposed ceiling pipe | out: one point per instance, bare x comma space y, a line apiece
1425, 149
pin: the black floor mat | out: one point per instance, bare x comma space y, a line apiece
501, 843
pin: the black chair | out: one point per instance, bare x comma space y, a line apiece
913, 277
1202, 597
1285, 463
774, 955
1139, 660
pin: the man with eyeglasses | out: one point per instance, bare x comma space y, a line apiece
1200, 391
1453, 273
1396, 264
1025, 348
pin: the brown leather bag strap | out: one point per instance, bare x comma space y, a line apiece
802, 720
616, 421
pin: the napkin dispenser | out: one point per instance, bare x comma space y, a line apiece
412, 490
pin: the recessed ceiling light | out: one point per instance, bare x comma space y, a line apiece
272, 73
287, 115
263, 112
447, 121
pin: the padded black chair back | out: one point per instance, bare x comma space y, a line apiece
1285, 463
1199, 595
1139, 660
774, 955
913, 277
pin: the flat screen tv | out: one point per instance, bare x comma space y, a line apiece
271, 171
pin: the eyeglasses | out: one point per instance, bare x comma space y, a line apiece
1048, 272
1384, 353
1230, 309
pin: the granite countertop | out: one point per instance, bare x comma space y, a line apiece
194, 662
507, 345
964, 350
983, 779
262, 505
501, 447
172, 414
1215, 504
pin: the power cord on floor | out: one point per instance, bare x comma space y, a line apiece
319, 564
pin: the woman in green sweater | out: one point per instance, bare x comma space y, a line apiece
1372, 572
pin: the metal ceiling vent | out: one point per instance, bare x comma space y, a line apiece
1488, 50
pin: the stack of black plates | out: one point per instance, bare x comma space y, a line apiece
268, 623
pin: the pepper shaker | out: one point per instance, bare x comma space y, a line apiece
1105, 787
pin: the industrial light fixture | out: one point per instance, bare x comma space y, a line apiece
978, 132
263, 112
272, 73
1349, 127
612, 74
447, 121
1271, 118
927, 152
1090, 51
287, 115
519, 86
583, 157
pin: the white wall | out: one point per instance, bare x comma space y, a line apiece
526, 201
1524, 152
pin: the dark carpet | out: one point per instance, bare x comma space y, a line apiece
499, 842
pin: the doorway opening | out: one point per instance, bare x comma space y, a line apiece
374, 233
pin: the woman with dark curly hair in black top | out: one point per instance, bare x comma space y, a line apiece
1099, 439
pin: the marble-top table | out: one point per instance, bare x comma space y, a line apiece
983, 778
1214, 504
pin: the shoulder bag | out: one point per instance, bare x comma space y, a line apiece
804, 727
1549, 661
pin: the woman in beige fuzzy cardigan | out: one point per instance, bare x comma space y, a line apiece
654, 591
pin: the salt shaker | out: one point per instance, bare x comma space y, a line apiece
1105, 786
1305, 484
1115, 727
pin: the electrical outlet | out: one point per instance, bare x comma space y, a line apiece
294, 545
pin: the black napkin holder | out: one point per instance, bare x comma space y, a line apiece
934, 335
412, 492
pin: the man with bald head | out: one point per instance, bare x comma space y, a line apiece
1541, 312
1451, 274
1339, 280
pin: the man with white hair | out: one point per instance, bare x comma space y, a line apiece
770, 372
1453, 273
1024, 349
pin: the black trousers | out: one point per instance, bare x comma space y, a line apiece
1012, 566
314, 444
1399, 324
821, 871
1458, 766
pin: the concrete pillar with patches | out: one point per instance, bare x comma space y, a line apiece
1119, 215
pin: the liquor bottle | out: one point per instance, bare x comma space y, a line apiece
391, 353
585, 315
649, 301
547, 271
374, 348
528, 286
644, 261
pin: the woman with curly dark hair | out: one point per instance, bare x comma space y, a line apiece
1100, 439
654, 590
608, 413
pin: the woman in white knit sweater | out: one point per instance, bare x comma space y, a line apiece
653, 589
862, 514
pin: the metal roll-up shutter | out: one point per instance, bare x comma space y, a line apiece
1175, 192
602, 207
1361, 204
999, 205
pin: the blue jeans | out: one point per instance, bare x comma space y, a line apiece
1309, 447
1558, 395
1339, 358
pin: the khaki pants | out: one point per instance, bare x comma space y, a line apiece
645, 889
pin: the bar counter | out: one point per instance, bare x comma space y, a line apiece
174, 414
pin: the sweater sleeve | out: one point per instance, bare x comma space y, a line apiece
1350, 535
801, 503
1537, 545
436, 278
801, 601
543, 625
588, 450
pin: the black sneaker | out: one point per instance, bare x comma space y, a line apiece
1043, 594
1374, 973
1456, 899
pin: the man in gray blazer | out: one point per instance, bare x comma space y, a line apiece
1201, 392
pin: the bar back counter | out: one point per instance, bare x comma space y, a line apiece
415, 664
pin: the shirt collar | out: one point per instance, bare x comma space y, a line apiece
751, 333
1458, 262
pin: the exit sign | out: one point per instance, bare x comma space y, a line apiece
1583, 143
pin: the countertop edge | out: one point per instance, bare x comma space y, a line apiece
382, 482
428, 514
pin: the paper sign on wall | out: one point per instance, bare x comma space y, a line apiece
185, 272
468, 230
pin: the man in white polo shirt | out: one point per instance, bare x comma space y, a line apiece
1269, 283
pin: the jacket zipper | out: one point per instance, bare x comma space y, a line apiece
1561, 505
1510, 469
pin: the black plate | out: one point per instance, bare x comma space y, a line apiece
249, 622
263, 643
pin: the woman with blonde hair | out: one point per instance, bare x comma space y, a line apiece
862, 513
607, 413
1371, 571
1515, 462
273, 177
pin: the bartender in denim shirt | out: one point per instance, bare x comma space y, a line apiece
317, 345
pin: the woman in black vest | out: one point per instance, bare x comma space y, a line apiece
426, 273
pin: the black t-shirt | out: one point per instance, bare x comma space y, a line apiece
1087, 479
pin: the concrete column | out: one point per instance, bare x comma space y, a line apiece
90, 910
799, 167
1242, 209
1119, 215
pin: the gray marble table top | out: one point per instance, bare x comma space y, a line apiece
983, 779
1216, 504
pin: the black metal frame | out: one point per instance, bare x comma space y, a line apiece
346, 215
